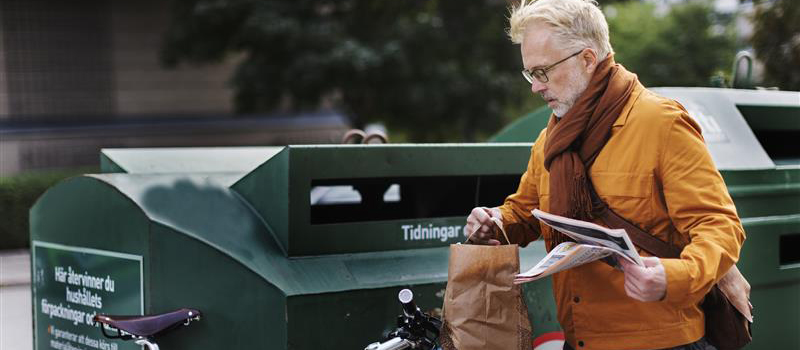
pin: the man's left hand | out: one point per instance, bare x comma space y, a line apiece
648, 283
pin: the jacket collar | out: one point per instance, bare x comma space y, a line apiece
623, 116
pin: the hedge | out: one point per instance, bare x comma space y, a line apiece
18, 193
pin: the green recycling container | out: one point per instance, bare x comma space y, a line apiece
298, 247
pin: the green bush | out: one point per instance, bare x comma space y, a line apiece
684, 46
17, 194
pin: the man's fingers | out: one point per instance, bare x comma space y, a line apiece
480, 241
630, 290
633, 293
479, 235
477, 229
635, 285
650, 261
493, 212
480, 226
633, 271
633, 274
469, 229
471, 219
480, 215
629, 267
644, 283
634, 289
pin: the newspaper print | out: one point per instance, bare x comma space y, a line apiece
593, 242
590, 233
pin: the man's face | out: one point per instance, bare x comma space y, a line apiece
566, 80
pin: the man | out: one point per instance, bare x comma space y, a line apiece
645, 158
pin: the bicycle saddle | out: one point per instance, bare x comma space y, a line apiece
149, 325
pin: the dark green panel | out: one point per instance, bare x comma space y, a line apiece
764, 192
541, 306
375, 236
759, 259
467, 162
267, 190
775, 292
86, 212
525, 128
93, 219
240, 310
777, 317
787, 176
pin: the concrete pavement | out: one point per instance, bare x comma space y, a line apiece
16, 325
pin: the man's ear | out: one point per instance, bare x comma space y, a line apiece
589, 60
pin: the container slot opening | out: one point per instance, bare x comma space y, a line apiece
776, 128
788, 253
376, 199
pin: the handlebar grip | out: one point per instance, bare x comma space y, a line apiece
406, 297
395, 343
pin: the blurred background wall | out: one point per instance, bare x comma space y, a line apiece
80, 75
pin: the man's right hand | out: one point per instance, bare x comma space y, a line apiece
480, 227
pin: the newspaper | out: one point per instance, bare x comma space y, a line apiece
592, 242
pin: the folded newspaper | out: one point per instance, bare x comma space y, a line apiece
592, 242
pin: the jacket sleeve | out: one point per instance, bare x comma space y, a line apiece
698, 204
518, 221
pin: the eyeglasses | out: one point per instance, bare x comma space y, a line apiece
541, 73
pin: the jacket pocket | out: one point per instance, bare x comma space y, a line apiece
628, 194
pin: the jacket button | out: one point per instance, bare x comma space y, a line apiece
580, 343
576, 299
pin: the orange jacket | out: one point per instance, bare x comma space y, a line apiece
656, 172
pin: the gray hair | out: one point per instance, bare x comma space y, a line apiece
576, 24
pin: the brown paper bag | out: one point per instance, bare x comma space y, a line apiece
483, 308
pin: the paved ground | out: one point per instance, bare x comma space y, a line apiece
16, 330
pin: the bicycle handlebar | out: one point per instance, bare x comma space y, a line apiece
395, 343
416, 330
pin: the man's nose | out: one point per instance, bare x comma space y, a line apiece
537, 87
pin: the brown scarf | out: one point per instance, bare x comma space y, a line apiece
574, 141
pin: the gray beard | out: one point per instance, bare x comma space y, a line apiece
579, 85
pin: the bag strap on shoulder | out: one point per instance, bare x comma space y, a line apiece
644, 240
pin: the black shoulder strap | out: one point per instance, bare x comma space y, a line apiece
640, 238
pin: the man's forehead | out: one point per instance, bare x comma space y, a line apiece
538, 45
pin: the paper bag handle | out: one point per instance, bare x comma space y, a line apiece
499, 224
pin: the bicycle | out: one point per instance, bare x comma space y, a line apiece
416, 330
144, 329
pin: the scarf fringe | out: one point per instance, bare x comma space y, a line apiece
580, 209
580, 198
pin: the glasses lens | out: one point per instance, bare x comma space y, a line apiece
527, 76
540, 75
